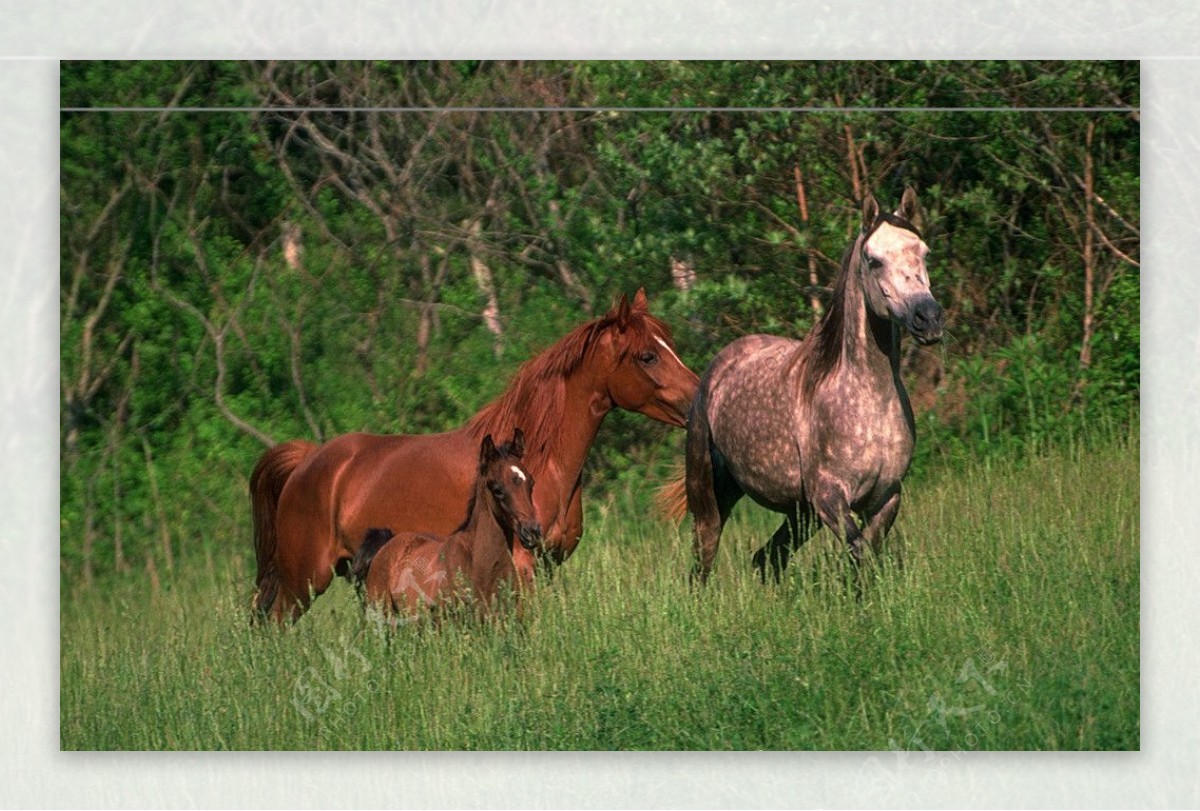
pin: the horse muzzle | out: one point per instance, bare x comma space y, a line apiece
926, 321
675, 414
676, 407
530, 536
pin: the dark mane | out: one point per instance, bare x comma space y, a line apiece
536, 395
825, 342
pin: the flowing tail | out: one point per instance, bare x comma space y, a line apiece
671, 498
266, 483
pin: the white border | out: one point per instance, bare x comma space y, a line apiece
33, 773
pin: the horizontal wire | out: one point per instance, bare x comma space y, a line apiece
836, 110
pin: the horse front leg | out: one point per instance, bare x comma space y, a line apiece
573, 528
551, 558
833, 507
526, 565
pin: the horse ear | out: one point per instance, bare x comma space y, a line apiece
639, 301
487, 451
517, 446
870, 212
909, 209
623, 311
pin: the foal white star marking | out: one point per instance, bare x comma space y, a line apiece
520, 473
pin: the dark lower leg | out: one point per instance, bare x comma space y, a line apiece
835, 513
790, 536
708, 501
706, 536
878, 525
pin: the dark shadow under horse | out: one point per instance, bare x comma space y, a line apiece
819, 429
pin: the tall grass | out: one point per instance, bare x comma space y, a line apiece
1013, 624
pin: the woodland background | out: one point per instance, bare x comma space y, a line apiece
274, 250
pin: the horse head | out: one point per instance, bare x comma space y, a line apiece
895, 282
646, 375
509, 487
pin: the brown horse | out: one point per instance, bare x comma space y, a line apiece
413, 572
313, 505
820, 430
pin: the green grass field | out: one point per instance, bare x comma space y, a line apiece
1013, 624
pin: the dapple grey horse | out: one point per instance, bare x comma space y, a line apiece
818, 429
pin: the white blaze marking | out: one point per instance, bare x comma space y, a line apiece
667, 347
520, 473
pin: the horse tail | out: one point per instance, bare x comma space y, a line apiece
671, 498
266, 483
374, 540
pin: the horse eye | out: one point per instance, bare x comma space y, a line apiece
874, 263
648, 358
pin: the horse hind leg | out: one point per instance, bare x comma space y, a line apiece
274, 602
711, 494
300, 581
796, 529
267, 483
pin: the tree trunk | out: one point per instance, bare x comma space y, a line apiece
487, 286
810, 249
854, 158
160, 513
1089, 264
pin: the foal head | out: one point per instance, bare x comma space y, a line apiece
895, 282
646, 375
507, 488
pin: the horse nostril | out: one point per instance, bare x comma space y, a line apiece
928, 314
530, 535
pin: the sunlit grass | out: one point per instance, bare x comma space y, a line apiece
1013, 624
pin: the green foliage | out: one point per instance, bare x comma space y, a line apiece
234, 278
